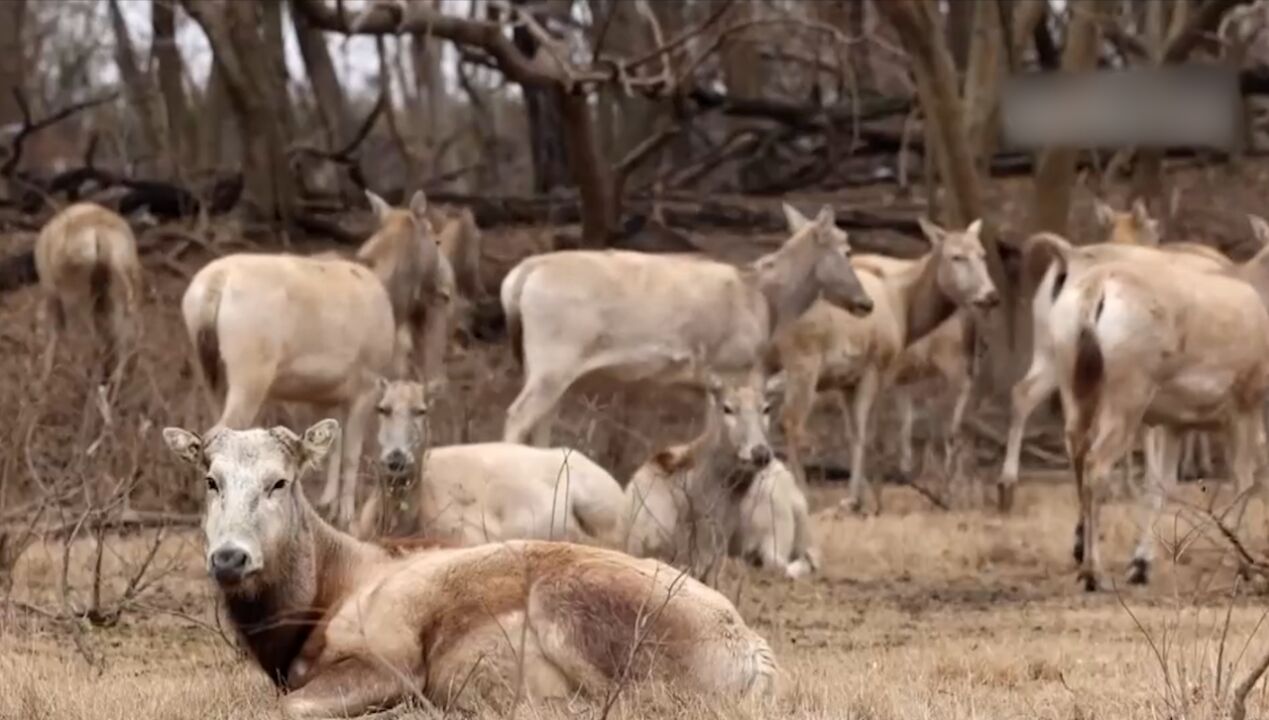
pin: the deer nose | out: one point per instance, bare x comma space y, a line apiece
761, 456
228, 565
988, 299
396, 462
863, 307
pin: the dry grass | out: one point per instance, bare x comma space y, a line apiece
918, 613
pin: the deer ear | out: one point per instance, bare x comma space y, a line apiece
378, 205
975, 228
186, 445
418, 205
794, 218
1104, 213
317, 441
1259, 228
827, 217
1140, 214
933, 232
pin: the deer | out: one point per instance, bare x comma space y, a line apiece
293, 328
404, 255
628, 316
89, 273
1131, 235
829, 349
481, 492
1161, 343
343, 627
724, 493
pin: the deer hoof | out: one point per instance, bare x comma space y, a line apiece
1090, 581
1139, 571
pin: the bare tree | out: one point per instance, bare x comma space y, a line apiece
141, 96
13, 50
239, 34
166, 56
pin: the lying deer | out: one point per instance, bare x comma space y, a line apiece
86, 260
344, 627
481, 492
631, 316
827, 348
723, 493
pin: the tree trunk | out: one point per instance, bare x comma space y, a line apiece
547, 144
141, 97
331, 104
590, 171
1055, 168
986, 67
247, 67
13, 50
167, 57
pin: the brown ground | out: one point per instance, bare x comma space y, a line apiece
919, 613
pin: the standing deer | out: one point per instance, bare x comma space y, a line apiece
86, 260
631, 316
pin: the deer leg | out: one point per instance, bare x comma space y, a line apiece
358, 417
1029, 392
861, 408
348, 688
907, 463
55, 319
1163, 456
539, 397
1244, 452
799, 399
957, 443
1108, 437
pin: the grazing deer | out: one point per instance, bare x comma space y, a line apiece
403, 254
633, 316
291, 328
86, 260
481, 492
827, 348
343, 627
723, 493
1131, 236
1160, 343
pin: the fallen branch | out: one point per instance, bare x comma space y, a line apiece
30, 127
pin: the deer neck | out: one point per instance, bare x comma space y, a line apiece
788, 286
399, 513
925, 305
313, 573
718, 471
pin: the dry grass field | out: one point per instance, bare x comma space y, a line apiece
918, 613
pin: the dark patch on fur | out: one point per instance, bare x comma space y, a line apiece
273, 634
1058, 282
99, 282
208, 348
671, 460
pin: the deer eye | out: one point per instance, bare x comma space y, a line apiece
211, 484
279, 485
419, 411
383, 410
728, 409
766, 409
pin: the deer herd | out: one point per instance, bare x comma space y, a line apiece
476, 573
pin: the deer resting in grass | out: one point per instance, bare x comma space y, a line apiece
480, 492
722, 494
86, 260
827, 348
344, 627
632, 316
